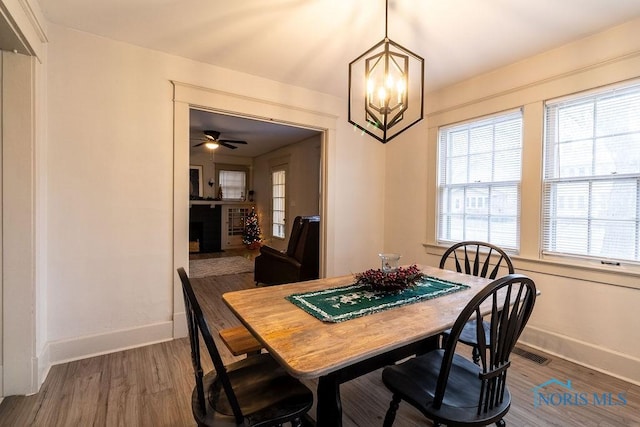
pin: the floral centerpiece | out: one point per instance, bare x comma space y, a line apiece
396, 280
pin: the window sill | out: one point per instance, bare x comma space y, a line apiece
624, 275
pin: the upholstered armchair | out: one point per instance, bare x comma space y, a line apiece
299, 262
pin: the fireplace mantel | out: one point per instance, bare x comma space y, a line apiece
213, 203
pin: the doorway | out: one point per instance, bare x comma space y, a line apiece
238, 171
187, 97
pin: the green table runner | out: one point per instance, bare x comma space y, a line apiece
348, 302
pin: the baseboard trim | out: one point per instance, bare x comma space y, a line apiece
63, 351
180, 325
44, 365
619, 365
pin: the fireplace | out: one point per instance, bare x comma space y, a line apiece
195, 236
205, 225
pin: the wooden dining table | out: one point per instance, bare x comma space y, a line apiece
338, 352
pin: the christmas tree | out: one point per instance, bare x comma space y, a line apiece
251, 235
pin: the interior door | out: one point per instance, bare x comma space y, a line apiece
279, 202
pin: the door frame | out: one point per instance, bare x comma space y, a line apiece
20, 368
187, 96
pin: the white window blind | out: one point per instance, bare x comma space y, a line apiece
479, 177
233, 184
592, 175
278, 183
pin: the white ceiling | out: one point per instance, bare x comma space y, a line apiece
261, 137
309, 43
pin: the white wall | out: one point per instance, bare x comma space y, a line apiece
110, 188
585, 312
303, 184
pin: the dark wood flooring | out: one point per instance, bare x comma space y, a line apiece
151, 386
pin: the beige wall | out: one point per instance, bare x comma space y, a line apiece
586, 311
303, 184
110, 208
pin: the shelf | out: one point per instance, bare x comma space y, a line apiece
234, 217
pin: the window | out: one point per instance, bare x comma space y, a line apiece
592, 175
233, 184
278, 181
479, 180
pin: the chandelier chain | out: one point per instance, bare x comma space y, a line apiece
386, 19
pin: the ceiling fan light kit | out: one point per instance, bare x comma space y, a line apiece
386, 89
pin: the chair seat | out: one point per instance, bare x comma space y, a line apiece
265, 392
415, 382
468, 334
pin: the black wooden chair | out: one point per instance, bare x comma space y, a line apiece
472, 257
450, 389
255, 391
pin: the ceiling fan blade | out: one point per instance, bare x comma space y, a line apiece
198, 145
224, 144
212, 134
232, 141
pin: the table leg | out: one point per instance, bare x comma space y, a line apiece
329, 407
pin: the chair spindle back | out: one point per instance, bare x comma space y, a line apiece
197, 326
471, 260
508, 301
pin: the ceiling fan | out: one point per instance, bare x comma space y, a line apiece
212, 137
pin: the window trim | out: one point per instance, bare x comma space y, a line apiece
219, 167
491, 93
546, 208
488, 185
623, 276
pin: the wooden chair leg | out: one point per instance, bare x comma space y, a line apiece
391, 413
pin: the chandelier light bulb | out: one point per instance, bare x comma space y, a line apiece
390, 81
382, 96
371, 85
400, 87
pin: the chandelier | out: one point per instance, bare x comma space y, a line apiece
386, 85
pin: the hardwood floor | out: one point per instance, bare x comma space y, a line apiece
151, 386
